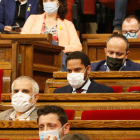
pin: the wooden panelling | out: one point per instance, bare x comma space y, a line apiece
8, 54
93, 134
94, 44
125, 97
107, 75
29, 54
77, 124
6, 84
35, 37
80, 106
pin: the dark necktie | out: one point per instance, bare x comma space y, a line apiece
79, 90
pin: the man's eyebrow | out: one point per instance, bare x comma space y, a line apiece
25, 89
78, 68
16, 89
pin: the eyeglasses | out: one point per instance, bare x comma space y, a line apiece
132, 34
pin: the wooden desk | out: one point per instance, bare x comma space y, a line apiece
79, 103
125, 97
93, 46
29, 57
111, 130
125, 79
39, 61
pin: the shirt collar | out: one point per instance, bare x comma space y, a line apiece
85, 87
22, 2
107, 68
23, 117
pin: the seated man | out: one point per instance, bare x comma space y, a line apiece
23, 98
16, 12
116, 56
78, 69
52, 122
131, 27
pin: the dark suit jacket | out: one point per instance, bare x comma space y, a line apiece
7, 11
93, 88
130, 66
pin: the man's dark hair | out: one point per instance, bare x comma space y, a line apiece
62, 10
133, 16
119, 36
62, 116
79, 55
76, 136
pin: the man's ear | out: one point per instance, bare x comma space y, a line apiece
105, 50
127, 53
66, 128
36, 96
11, 96
88, 69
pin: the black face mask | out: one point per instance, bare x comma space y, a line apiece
114, 63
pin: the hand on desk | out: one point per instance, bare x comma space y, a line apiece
7, 28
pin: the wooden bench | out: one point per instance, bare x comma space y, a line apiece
94, 44
110, 130
79, 103
125, 79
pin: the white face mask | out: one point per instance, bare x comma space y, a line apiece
50, 7
44, 134
76, 80
20, 102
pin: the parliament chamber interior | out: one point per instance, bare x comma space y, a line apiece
99, 115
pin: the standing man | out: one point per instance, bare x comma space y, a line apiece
78, 69
23, 98
16, 12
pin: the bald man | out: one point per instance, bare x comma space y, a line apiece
116, 52
131, 27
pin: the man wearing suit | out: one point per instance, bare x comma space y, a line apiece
23, 98
16, 12
78, 69
116, 56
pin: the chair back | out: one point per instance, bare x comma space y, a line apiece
111, 115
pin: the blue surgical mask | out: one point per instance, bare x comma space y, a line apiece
50, 7
43, 134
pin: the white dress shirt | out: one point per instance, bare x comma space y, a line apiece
85, 87
23, 117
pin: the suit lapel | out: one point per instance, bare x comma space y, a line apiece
61, 32
12, 10
127, 67
69, 89
40, 20
28, 8
92, 87
60, 27
102, 68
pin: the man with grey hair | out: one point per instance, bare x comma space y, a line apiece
25, 93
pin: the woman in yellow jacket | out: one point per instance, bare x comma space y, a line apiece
53, 21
